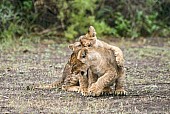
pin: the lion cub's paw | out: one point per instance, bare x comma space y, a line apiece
94, 91
120, 92
83, 91
70, 88
107, 91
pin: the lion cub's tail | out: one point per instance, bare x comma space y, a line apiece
56, 84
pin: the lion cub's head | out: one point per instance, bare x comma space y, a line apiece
75, 60
89, 39
79, 61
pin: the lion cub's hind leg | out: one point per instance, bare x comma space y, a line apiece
84, 82
119, 83
71, 83
118, 55
104, 81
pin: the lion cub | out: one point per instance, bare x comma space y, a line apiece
68, 81
103, 67
90, 40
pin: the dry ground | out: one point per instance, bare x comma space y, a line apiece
147, 71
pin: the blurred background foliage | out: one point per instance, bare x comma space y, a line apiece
22, 20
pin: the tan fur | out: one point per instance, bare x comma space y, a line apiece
90, 40
103, 67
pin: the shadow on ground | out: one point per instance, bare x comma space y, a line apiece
147, 74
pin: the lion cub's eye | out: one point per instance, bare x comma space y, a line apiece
89, 45
83, 56
74, 65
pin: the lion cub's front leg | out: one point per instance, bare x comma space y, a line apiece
104, 81
86, 80
95, 90
83, 91
83, 81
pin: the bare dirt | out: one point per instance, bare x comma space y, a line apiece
147, 80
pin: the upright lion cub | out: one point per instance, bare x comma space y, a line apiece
90, 40
103, 67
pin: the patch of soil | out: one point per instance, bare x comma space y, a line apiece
147, 76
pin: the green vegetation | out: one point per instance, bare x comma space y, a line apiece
69, 19
15, 23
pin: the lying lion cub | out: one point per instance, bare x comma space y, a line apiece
68, 81
90, 40
101, 66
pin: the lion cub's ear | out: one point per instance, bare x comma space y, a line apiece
71, 46
92, 31
82, 54
81, 37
